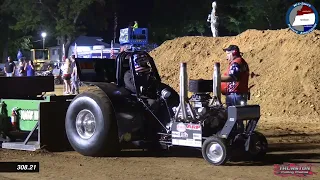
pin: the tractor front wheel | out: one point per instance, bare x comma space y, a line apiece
214, 150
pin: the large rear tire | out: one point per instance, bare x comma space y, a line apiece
91, 125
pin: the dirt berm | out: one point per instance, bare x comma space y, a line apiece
285, 66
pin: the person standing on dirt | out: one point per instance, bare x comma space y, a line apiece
74, 76
10, 68
66, 71
234, 82
21, 68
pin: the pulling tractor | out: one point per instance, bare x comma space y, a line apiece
108, 117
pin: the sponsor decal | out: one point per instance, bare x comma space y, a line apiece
184, 135
181, 127
197, 136
29, 114
194, 127
175, 134
187, 134
291, 169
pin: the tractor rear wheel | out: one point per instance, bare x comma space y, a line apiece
91, 125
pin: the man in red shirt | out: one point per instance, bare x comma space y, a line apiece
234, 82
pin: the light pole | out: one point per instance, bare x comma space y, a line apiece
43, 35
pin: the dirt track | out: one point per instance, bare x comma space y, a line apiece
290, 141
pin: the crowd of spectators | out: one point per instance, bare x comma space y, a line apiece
24, 68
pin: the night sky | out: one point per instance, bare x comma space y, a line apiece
169, 14
128, 11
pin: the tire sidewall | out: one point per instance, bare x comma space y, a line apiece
102, 126
221, 142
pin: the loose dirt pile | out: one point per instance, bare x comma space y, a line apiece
285, 67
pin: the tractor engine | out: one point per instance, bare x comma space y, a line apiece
200, 102
201, 107
211, 115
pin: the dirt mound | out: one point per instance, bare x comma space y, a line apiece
286, 67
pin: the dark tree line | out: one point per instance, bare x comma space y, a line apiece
21, 21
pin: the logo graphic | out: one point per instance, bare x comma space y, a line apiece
194, 126
302, 18
181, 127
290, 169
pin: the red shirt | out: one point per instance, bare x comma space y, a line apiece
239, 70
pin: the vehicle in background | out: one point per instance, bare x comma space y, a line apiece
39, 57
51, 68
46, 68
135, 39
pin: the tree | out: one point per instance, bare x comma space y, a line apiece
11, 40
61, 18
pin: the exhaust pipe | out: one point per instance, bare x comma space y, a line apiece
217, 82
183, 89
184, 105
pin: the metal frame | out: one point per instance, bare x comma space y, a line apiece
36, 85
50, 131
26, 145
241, 113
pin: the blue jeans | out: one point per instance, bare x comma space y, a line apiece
234, 99
74, 85
9, 74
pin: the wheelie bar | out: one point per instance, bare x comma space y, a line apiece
241, 113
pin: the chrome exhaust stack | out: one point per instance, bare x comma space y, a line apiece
184, 106
183, 89
217, 83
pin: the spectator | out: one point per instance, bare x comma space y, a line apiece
66, 72
29, 68
21, 68
56, 70
74, 76
9, 68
